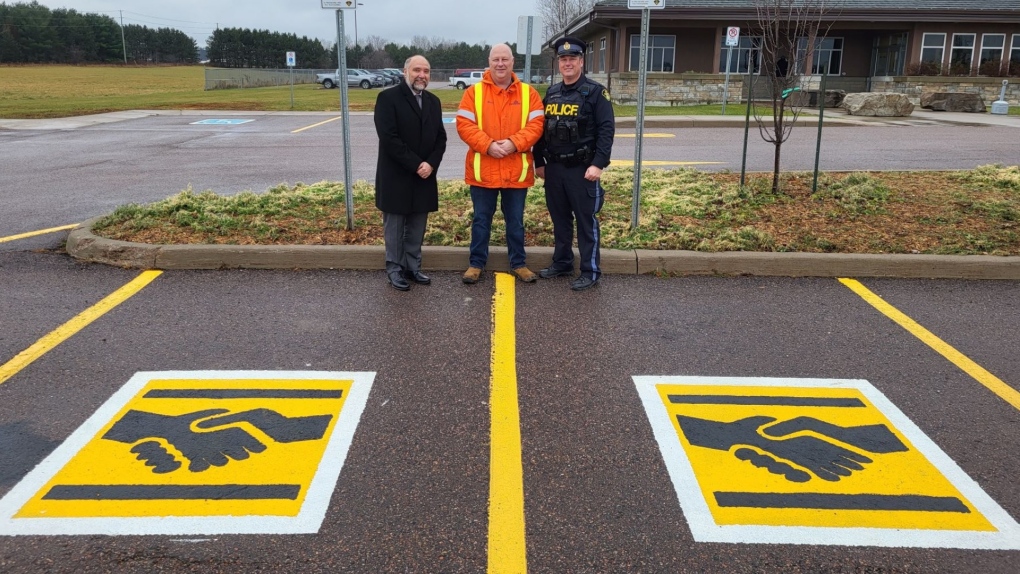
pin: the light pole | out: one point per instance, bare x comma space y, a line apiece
356, 47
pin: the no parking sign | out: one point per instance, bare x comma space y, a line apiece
733, 36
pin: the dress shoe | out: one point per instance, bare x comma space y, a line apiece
398, 282
418, 277
472, 275
583, 282
525, 274
550, 272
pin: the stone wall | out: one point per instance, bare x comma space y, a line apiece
672, 89
689, 89
914, 86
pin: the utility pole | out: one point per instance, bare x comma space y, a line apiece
122, 43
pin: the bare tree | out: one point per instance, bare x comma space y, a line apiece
789, 31
558, 14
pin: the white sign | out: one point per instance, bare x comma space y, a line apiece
291, 59
646, 4
732, 36
339, 4
536, 35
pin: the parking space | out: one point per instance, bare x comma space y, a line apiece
414, 492
597, 486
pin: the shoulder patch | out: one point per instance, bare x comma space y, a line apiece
605, 94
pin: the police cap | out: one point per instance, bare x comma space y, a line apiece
569, 46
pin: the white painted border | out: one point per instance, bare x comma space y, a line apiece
216, 122
308, 520
704, 528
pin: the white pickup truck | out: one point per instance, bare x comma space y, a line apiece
468, 78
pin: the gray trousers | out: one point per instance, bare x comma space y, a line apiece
403, 235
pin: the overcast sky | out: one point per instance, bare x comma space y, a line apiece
398, 21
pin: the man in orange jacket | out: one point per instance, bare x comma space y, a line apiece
500, 119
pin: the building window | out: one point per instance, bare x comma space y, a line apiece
661, 50
828, 56
743, 56
888, 55
588, 59
961, 58
602, 55
1014, 56
933, 48
991, 54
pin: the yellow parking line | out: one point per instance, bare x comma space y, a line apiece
993, 383
316, 125
506, 471
82, 320
646, 135
34, 233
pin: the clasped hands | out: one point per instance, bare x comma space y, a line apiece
424, 170
502, 148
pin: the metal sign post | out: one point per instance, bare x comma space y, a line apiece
645, 6
341, 80
291, 61
732, 39
528, 42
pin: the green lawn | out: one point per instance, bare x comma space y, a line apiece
62, 91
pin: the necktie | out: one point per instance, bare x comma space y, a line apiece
418, 97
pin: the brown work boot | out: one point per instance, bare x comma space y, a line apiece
472, 275
525, 274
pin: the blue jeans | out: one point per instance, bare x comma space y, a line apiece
484, 201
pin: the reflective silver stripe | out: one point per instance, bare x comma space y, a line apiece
535, 114
466, 114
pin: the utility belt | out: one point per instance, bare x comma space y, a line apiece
577, 157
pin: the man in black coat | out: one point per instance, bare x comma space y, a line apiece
412, 141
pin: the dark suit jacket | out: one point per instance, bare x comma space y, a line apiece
408, 135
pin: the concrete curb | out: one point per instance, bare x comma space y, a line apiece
83, 245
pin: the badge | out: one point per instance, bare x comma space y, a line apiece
605, 94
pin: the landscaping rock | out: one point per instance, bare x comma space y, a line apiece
877, 104
953, 102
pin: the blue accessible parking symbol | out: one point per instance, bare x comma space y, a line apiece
220, 122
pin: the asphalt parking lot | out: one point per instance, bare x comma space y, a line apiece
494, 427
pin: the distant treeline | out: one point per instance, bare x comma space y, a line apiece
244, 48
34, 34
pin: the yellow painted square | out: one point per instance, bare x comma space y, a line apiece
106, 463
889, 475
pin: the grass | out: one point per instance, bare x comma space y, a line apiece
63, 91
962, 212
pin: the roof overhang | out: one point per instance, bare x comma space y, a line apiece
601, 17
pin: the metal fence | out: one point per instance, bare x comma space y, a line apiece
227, 78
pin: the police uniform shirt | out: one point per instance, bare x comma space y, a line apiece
577, 116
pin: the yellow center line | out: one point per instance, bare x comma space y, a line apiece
34, 233
82, 320
316, 125
993, 383
506, 472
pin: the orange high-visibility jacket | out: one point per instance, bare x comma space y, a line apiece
487, 114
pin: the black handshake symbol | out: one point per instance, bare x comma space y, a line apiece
205, 438
778, 447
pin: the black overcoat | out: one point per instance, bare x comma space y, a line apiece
408, 135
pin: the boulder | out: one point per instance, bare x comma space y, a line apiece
953, 102
877, 104
834, 98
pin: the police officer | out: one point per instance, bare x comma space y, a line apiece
575, 148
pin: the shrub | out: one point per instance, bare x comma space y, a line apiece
923, 69
993, 69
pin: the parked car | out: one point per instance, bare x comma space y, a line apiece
398, 72
376, 81
388, 79
463, 79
